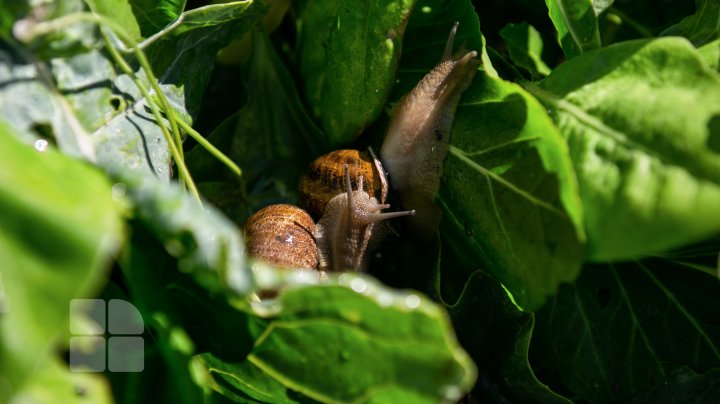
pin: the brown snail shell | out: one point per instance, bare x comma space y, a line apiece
282, 235
324, 178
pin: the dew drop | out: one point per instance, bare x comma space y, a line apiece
4, 301
41, 145
358, 285
385, 299
412, 301
453, 393
119, 190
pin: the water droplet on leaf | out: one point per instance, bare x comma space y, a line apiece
41, 145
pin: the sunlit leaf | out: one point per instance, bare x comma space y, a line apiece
348, 54
349, 339
61, 227
576, 24
642, 120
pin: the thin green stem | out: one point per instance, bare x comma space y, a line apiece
642, 30
210, 148
174, 150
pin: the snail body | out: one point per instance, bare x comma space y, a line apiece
348, 230
417, 140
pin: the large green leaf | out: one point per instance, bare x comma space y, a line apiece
348, 54
642, 120
348, 339
622, 329
497, 336
701, 27
61, 227
510, 195
576, 24
206, 244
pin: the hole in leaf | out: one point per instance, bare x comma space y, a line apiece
44, 131
117, 103
713, 141
603, 295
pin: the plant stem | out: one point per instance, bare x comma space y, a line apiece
642, 30
210, 148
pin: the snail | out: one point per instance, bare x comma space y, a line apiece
345, 235
349, 225
417, 139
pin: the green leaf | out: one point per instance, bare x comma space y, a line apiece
121, 12
349, 339
700, 28
710, 52
61, 227
206, 244
91, 111
154, 15
35, 107
525, 47
685, 386
54, 382
497, 336
642, 122
617, 331
510, 195
348, 54
576, 24
244, 381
